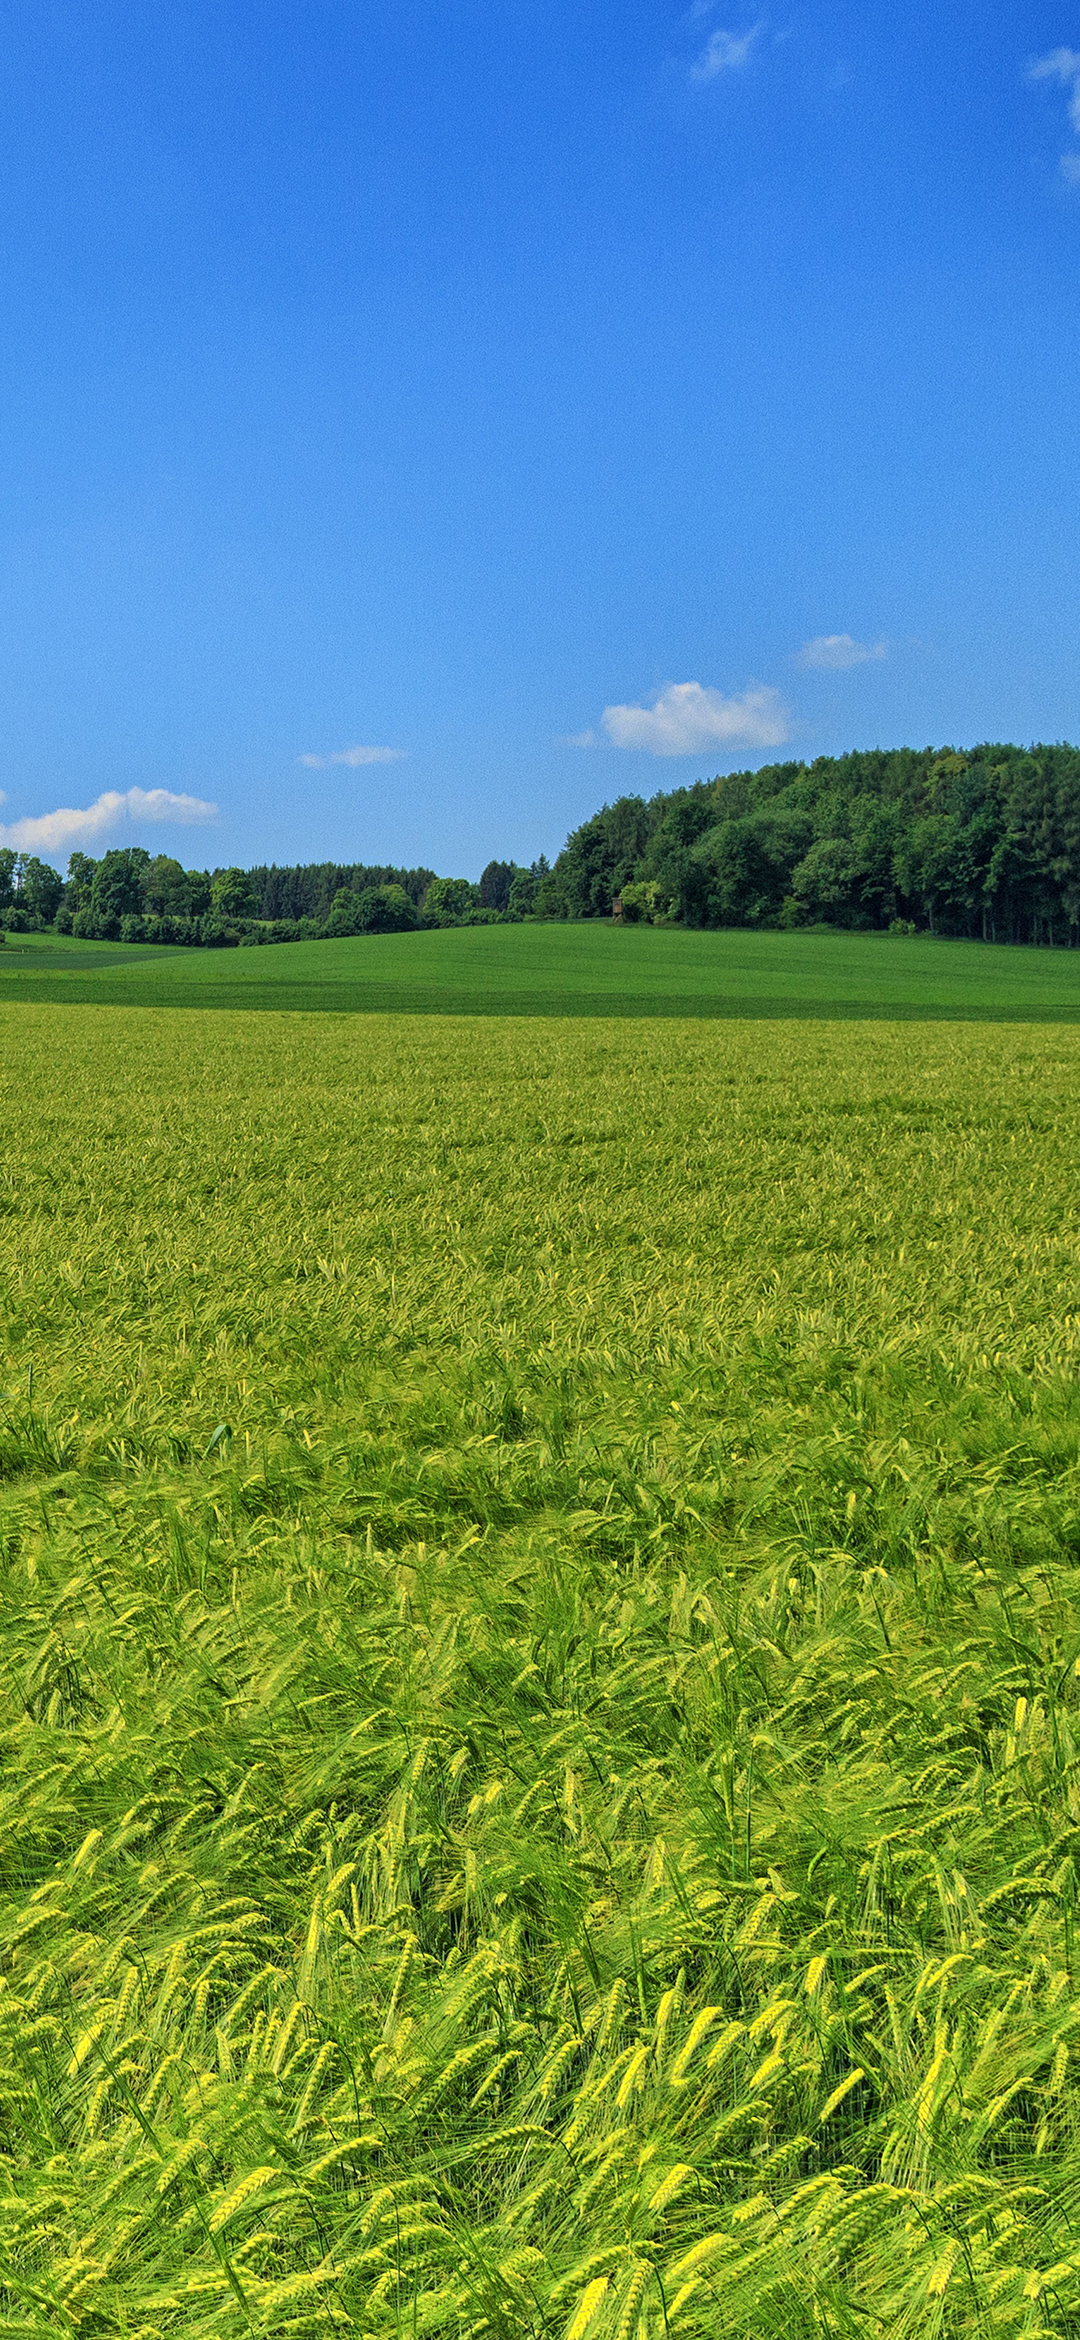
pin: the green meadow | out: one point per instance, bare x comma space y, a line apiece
587, 968
540, 1642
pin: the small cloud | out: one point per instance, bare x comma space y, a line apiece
353, 757
581, 739
837, 652
55, 832
1063, 65
686, 719
725, 53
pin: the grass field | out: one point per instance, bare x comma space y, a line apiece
539, 1672
590, 969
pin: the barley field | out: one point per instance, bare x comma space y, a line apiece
539, 1677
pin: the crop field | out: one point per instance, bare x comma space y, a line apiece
539, 1676
589, 968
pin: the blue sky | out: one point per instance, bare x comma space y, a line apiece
422, 423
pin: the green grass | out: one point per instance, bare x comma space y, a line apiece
539, 1678
589, 969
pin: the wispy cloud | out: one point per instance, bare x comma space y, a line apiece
581, 739
837, 652
55, 832
686, 719
1063, 65
353, 757
725, 52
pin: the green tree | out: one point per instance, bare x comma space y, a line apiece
79, 881
685, 816
495, 885
931, 869
39, 887
175, 892
7, 877
450, 901
117, 888
823, 881
344, 917
385, 910
523, 891
601, 857
371, 910
639, 902
232, 894
549, 896
747, 865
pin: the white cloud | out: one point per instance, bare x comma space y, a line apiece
839, 651
353, 756
725, 53
1063, 65
56, 832
686, 719
582, 739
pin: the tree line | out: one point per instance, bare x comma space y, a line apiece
983, 843
131, 896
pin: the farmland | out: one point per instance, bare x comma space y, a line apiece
540, 1654
591, 968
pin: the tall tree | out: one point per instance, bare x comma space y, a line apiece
495, 883
117, 888
39, 887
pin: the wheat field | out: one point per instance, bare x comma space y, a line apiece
539, 1678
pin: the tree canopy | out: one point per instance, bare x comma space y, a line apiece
982, 842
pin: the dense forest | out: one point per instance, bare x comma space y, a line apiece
983, 843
